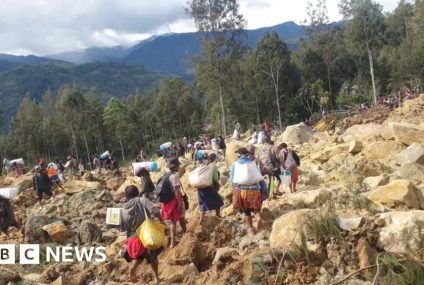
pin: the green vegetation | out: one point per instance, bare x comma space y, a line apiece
336, 66
109, 79
397, 271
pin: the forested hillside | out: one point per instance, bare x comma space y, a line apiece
173, 54
109, 79
369, 57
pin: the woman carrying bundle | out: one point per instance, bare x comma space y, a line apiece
208, 197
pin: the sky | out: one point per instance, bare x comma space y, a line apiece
43, 27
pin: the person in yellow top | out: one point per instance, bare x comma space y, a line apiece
53, 175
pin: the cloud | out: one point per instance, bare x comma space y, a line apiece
45, 27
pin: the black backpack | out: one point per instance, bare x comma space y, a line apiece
296, 158
164, 190
4, 215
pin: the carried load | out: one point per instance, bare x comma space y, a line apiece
19, 161
52, 165
165, 145
113, 216
151, 233
202, 176
104, 155
9, 193
247, 174
148, 165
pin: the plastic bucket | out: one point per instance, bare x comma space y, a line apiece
261, 136
285, 178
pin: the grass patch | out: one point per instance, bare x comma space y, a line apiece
324, 227
414, 240
400, 272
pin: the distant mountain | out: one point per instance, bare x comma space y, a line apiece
8, 62
110, 79
29, 59
171, 54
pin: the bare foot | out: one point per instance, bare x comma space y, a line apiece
133, 277
252, 231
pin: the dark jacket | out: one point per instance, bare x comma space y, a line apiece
7, 217
41, 181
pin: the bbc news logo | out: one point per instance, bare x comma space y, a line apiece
30, 254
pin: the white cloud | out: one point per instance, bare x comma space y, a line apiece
45, 27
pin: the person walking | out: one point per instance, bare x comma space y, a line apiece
52, 172
247, 196
170, 195
290, 161
97, 164
208, 197
41, 184
148, 186
133, 215
270, 165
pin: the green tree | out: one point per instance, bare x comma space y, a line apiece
273, 61
219, 24
365, 29
115, 118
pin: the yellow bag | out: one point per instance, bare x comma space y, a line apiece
151, 233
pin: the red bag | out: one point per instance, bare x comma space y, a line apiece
134, 247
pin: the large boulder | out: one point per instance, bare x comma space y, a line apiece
132, 180
22, 183
114, 248
320, 157
306, 199
297, 134
34, 232
177, 273
393, 236
383, 150
285, 229
365, 131
75, 186
397, 192
355, 147
114, 183
412, 171
57, 231
230, 152
412, 154
408, 133
89, 233
373, 182
8, 276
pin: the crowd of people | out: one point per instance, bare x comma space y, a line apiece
248, 175
253, 176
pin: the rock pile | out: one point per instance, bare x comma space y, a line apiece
361, 199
